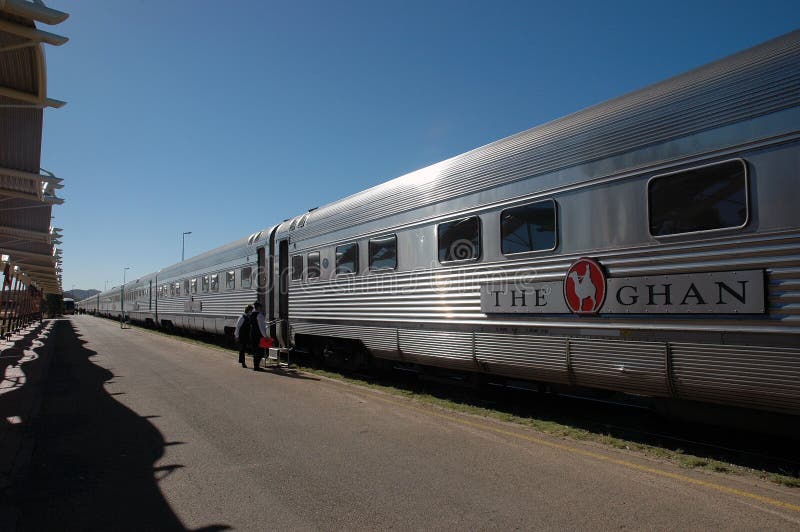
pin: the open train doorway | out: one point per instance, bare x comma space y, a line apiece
283, 292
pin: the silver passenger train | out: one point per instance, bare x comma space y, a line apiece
649, 245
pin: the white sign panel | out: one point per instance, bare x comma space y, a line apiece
587, 291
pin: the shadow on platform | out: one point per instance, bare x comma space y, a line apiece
93, 467
21, 368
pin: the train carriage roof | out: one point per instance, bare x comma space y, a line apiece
220, 255
762, 80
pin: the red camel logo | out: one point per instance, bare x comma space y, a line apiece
585, 287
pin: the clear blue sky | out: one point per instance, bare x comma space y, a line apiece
222, 118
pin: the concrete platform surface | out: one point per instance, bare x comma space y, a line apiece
139, 431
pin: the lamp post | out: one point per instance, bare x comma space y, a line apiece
122, 297
183, 242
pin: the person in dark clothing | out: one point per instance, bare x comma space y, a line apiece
243, 333
258, 330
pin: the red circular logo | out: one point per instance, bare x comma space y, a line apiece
585, 287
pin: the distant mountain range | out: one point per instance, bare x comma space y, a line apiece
77, 294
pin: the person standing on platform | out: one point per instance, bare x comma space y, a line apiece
243, 334
258, 330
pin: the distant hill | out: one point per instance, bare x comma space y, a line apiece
77, 294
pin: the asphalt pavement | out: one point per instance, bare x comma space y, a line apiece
141, 431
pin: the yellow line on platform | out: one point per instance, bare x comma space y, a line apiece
600, 457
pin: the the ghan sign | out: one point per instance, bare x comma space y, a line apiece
586, 290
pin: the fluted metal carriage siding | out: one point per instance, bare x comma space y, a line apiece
527, 356
448, 349
595, 164
377, 339
628, 366
451, 295
746, 375
219, 309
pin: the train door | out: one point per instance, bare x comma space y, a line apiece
283, 292
150, 296
154, 297
261, 277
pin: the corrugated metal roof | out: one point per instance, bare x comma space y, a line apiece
26, 194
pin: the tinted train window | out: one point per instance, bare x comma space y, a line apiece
177, 289
247, 281
230, 280
699, 199
347, 259
186, 286
215, 282
383, 253
460, 240
204, 285
529, 227
313, 265
194, 285
297, 267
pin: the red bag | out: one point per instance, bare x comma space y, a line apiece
265, 343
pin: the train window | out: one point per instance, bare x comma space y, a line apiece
529, 227
230, 280
186, 286
313, 265
707, 198
215, 282
460, 240
383, 253
297, 267
177, 289
347, 258
204, 283
247, 281
171, 289
194, 285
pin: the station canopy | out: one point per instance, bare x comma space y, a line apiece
28, 240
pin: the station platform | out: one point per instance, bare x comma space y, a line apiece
24, 363
139, 430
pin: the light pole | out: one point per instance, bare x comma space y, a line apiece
122, 297
183, 242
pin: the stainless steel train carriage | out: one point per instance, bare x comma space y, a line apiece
203, 293
650, 245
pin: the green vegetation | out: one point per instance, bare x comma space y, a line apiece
54, 305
